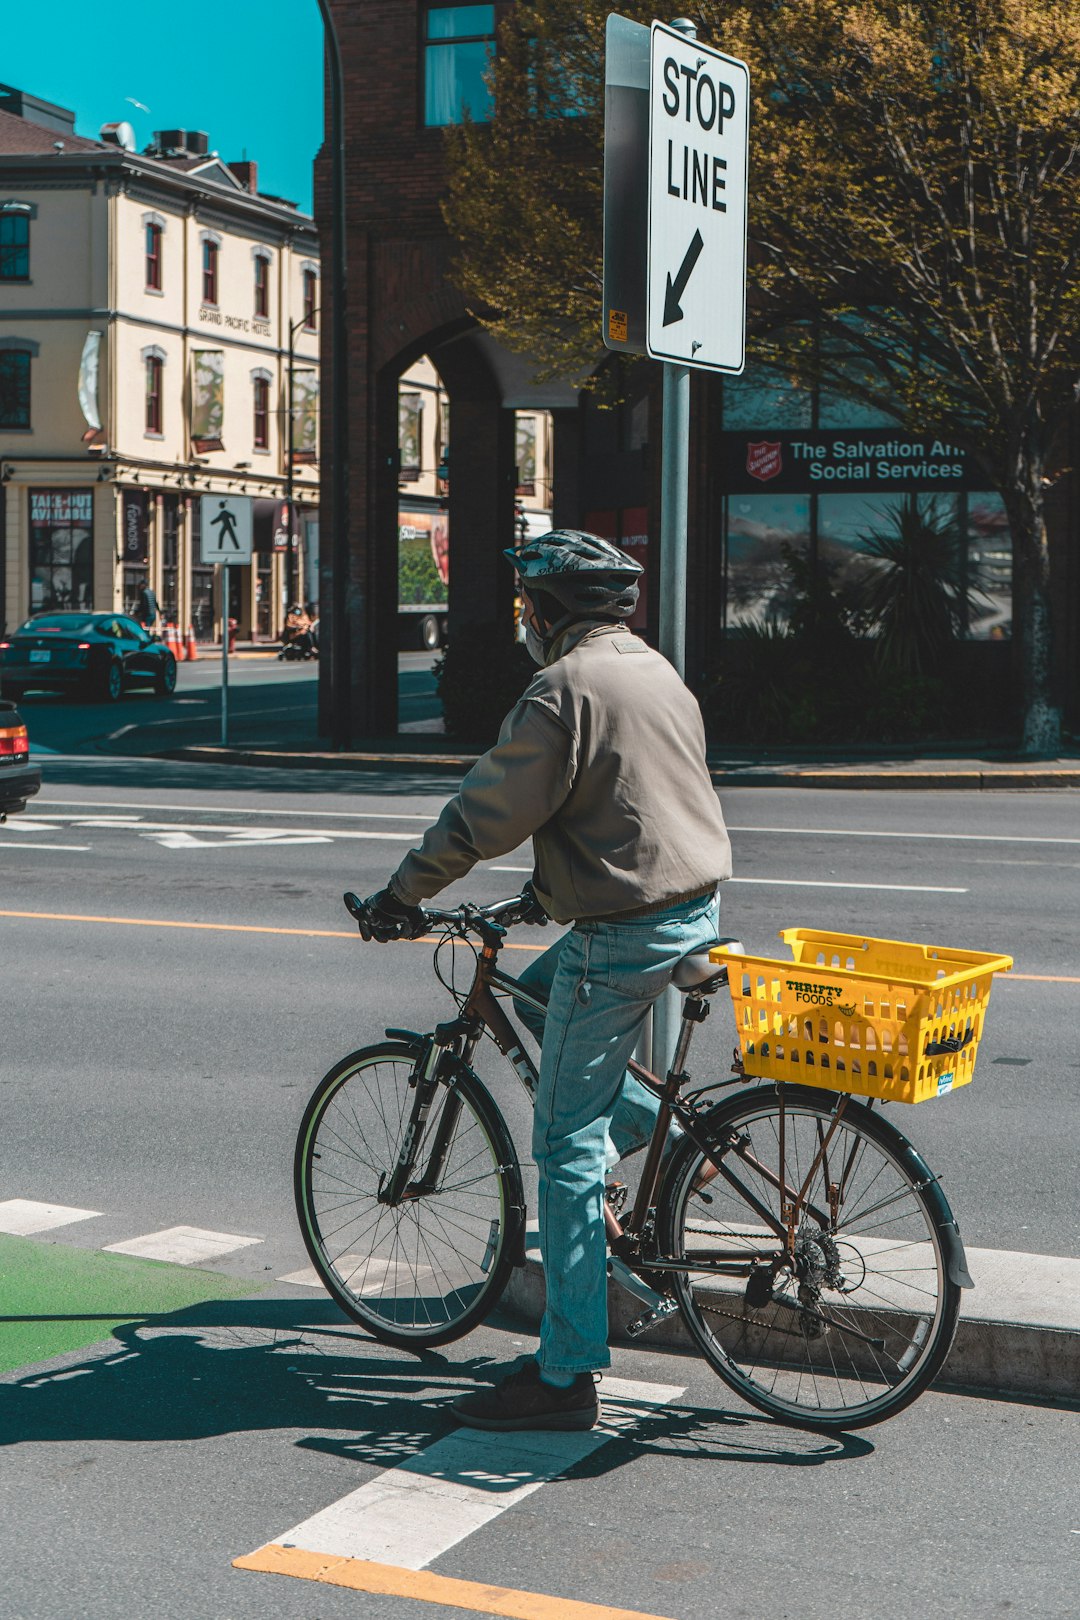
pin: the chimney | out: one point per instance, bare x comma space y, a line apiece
247, 174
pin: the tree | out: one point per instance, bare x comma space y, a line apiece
914, 175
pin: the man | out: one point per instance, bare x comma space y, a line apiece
602, 763
147, 609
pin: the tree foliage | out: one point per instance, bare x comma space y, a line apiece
915, 223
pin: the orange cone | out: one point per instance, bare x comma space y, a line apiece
191, 651
173, 642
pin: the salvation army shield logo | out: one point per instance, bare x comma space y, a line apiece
763, 460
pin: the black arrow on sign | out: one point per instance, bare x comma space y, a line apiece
675, 289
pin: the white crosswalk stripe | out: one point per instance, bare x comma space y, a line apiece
21, 1217
183, 1245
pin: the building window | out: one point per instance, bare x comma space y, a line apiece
525, 447
14, 246
459, 47
154, 366
14, 388
209, 270
61, 549
262, 285
153, 257
311, 293
262, 413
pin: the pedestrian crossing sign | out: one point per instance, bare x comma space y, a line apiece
226, 528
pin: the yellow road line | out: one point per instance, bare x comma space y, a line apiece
347, 933
1037, 978
388, 1580
228, 928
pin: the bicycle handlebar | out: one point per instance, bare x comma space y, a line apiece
463, 919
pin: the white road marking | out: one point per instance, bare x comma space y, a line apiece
236, 840
183, 1245
812, 883
227, 810
75, 849
20, 1217
412, 1514
949, 837
380, 1276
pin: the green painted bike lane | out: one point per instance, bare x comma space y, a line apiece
55, 1299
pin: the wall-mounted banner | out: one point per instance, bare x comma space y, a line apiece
305, 415
207, 398
842, 460
88, 383
135, 513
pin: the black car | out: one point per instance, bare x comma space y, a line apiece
19, 780
92, 654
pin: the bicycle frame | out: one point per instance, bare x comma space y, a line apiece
480, 1010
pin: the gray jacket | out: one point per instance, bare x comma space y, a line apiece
602, 763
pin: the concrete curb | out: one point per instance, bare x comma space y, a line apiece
991, 1353
865, 777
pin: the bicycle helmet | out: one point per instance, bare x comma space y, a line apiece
586, 576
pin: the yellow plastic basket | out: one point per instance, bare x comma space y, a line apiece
876, 1017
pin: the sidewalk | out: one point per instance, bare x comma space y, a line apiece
1019, 1331
980, 770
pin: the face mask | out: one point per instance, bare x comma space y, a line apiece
534, 645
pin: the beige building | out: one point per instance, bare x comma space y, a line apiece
424, 472
158, 343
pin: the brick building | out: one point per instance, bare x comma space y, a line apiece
771, 466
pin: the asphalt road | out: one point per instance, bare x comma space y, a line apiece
267, 700
154, 1075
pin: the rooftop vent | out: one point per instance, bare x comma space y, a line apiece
121, 135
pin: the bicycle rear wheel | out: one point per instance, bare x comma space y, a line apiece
429, 1268
854, 1325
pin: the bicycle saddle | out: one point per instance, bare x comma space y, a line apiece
697, 972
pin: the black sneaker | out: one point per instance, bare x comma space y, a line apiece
523, 1401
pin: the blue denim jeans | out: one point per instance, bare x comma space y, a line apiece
602, 979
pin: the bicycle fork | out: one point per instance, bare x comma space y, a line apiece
401, 1187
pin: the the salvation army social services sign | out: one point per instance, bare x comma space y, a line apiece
699, 104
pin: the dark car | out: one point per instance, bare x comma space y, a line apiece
91, 654
19, 780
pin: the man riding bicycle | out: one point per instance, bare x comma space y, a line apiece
602, 764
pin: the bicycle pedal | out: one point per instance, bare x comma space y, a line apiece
651, 1318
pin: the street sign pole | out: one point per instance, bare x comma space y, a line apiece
225, 655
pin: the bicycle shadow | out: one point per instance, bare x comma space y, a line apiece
235, 1366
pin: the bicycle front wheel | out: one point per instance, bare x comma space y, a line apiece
847, 1325
429, 1268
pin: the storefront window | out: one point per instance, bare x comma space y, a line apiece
61, 549
990, 568
459, 47
759, 527
525, 447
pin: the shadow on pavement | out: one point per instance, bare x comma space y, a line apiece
233, 1366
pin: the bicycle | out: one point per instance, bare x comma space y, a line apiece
811, 1252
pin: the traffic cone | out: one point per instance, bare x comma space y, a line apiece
173, 642
191, 652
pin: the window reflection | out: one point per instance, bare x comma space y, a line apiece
459, 49
758, 529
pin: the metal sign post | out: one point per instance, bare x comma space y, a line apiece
226, 527
691, 252
225, 656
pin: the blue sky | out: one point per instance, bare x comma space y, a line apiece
248, 72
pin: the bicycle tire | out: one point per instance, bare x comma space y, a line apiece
428, 1270
878, 1271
